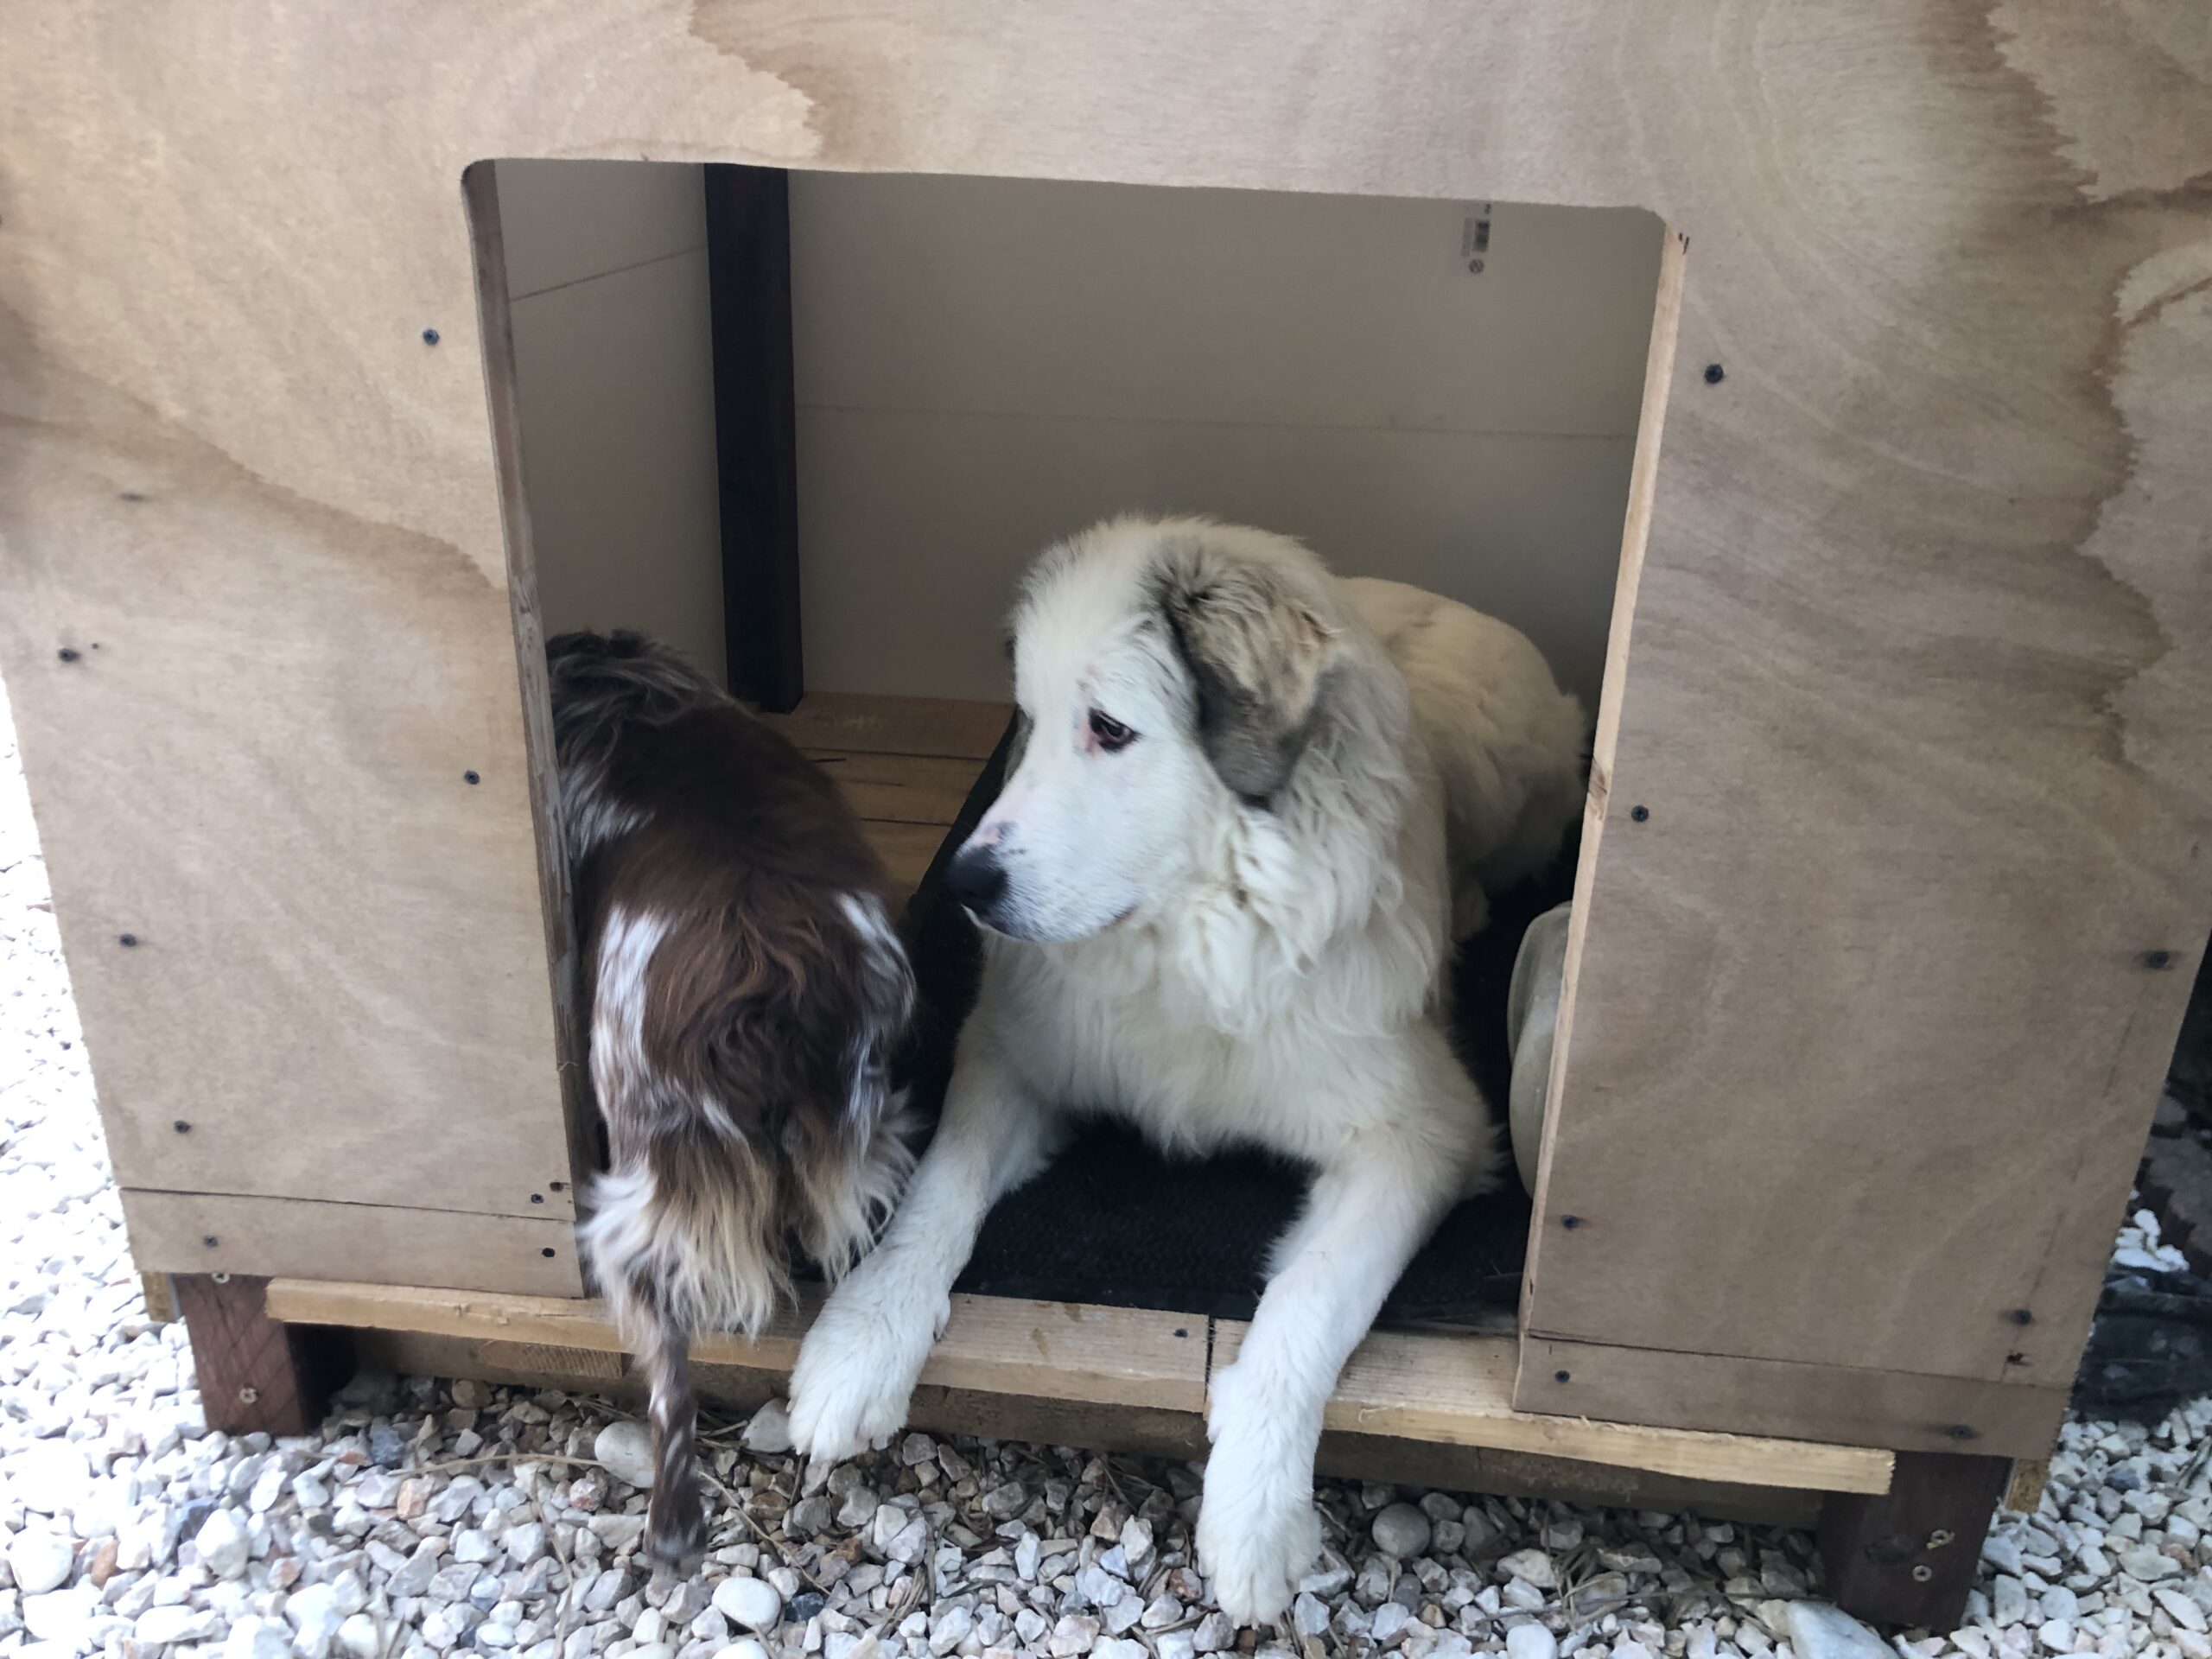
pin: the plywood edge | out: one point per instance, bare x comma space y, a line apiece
1636, 534
1901, 1411
216, 1232
1421, 1388
1457, 1390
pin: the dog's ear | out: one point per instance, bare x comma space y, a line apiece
1259, 656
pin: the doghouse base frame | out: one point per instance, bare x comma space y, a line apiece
1900, 1533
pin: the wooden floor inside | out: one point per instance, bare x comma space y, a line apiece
906, 764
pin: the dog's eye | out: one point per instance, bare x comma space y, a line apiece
1110, 733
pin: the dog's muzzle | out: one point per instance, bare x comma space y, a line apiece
977, 880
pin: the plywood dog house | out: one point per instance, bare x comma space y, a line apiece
1892, 880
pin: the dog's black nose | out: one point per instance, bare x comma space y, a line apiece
978, 878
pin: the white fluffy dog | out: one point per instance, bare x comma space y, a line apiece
1249, 807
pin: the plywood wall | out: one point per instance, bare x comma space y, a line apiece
606, 277
986, 364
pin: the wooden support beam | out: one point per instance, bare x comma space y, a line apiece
1908, 1556
255, 1372
756, 442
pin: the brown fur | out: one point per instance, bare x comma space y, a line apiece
744, 993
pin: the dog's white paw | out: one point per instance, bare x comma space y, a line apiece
855, 1373
1258, 1533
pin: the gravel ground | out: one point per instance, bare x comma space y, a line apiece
431, 1518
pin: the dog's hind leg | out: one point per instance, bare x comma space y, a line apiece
676, 1516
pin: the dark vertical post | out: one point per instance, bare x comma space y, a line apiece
1908, 1557
749, 279
255, 1373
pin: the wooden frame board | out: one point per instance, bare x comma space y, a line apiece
1894, 885
1402, 1386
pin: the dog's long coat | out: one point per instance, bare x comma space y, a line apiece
1251, 804
745, 991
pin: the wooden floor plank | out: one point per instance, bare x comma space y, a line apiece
900, 788
905, 849
949, 727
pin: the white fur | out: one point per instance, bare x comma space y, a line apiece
1226, 974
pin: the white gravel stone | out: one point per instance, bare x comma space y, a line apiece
744, 1648
1531, 1566
162, 1627
625, 1450
61, 1615
40, 1561
770, 1430
1531, 1641
255, 1637
223, 1544
1401, 1530
1818, 1631
750, 1603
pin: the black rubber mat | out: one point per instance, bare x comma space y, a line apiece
1113, 1222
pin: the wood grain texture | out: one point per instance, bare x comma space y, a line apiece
1918, 694
1459, 1391
205, 1232
1903, 1411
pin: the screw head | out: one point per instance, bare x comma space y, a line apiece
2158, 961
1639, 814
470, 778
220, 1278
2022, 1316
248, 1394
429, 336
548, 1250
67, 654
209, 1241
1922, 1573
1714, 374
126, 940
1570, 1222
181, 1126
1560, 1376
1941, 1537
538, 1198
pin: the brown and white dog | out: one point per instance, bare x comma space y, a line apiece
745, 991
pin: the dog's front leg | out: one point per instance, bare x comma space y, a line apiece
1369, 1212
858, 1364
